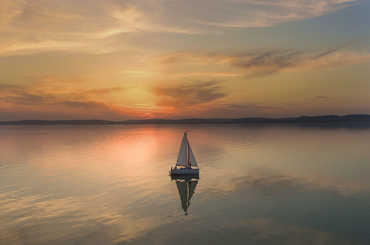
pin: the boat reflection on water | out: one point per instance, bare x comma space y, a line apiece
186, 187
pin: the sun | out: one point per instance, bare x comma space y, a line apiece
148, 115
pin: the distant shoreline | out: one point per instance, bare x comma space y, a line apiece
305, 120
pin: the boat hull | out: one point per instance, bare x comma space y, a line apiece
184, 172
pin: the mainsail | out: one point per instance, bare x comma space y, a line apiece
186, 157
186, 190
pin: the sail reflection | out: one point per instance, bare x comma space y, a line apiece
186, 188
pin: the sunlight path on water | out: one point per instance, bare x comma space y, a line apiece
110, 185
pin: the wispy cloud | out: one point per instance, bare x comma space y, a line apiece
49, 101
267, 62
189, 94
286, 60
204, 99
39, 100
40, 25
28, 27
255, 13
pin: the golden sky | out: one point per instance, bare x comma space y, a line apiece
117, 60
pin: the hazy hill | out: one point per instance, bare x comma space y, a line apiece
325, 119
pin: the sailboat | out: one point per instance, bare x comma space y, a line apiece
186, 164
186, 188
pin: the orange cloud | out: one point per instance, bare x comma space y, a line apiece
33, 102
184, 95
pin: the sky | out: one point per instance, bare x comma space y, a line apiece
126, 59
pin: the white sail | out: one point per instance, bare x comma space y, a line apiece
192, 160
181, 158
186, 157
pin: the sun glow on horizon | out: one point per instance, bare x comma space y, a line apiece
117, 61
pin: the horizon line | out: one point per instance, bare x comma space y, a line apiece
293, 119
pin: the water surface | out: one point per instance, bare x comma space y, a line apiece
110, 185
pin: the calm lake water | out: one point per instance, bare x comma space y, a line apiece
110, 185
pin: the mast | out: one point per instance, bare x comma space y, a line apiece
188, 153
188, 164
186, 157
